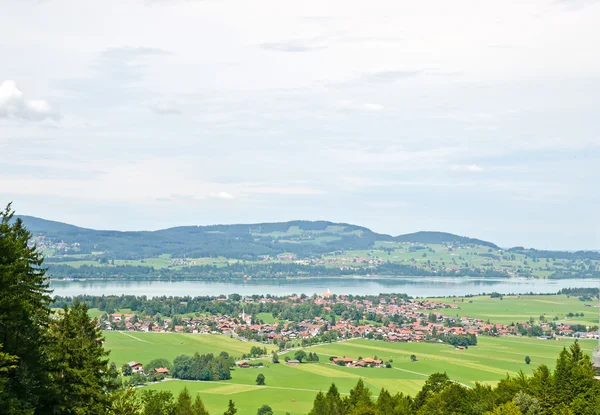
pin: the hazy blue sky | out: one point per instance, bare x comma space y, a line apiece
475, 117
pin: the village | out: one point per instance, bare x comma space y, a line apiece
407, 321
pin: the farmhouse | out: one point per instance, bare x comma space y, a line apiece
347, 361
242, 364
162, 370
136, 367
293, 362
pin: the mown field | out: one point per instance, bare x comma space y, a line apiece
143, 347
520, 308
292, 389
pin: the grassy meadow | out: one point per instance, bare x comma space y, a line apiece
520, 308
143, 347
293, 388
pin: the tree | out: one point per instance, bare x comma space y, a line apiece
275, 358
183, 406
80, 378
155, 364
300, 355
199, 408
125, 402
157, 403
24, 315
264, 410
509, 408
413, 358
126, 370
527, 359
230, 409
260, 379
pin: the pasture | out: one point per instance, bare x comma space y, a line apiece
520, 308
143, 347
293, 388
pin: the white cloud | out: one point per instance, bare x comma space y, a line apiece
471, 168
221, 195
164, 107
14, 105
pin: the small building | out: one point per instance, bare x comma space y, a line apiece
346, 361
136, 367
293, 362
242, 364
162, 370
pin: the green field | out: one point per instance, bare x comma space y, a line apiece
520, 308
143, 347
292, 389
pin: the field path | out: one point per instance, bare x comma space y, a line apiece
254, 387
133, 337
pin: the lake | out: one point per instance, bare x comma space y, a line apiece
413, 286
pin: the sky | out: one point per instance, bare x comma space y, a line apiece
476, 118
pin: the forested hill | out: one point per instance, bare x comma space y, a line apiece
244, 241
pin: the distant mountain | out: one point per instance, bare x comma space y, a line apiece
242, 241
425, 237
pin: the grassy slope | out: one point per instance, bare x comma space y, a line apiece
144, 347
521, 308
292, 389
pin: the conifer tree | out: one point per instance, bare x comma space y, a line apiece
199, 408
319, 405
80, 379
231, 410
24, 314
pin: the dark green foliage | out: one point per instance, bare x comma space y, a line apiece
202, 367
24, 317
155, 364
260, 379
231, 410
79, 377
300, 355
264, 410
158, 403
527, 359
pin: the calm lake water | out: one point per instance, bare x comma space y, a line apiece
413, 286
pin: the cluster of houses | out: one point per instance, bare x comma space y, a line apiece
362, 362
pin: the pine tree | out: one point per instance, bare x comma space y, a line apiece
184, 403
230, 409
319, 405
81, 381
335, 406
199, 408
24, 314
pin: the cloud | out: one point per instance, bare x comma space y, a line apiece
221, 195
14, 105
471, 168
164, 107
292, 46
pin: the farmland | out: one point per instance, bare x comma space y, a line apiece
513, 309
292, 388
